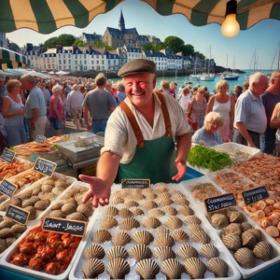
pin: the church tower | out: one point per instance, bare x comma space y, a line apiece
121, 23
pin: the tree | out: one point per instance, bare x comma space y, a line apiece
188, 50
199, 55
66, 40
79, 43
62, 40
174, 43
148, 47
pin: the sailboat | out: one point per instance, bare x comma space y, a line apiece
207, 76
195, 76
229, 75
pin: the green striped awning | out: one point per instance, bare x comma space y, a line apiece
10, 59
45, 16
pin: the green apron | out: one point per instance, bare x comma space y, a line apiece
153, 159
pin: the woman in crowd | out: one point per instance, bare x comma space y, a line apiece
208, 135
184, 99
13, 112
197, 108
120, 96
222, 103
56, 109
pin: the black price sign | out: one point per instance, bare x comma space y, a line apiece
254, 195
17, 214
136, 183
219, 202
40, 139
8, 155
7, 188
45, 167
77, 228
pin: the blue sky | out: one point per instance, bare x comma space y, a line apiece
264, 37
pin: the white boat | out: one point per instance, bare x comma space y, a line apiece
230, 76
207, 77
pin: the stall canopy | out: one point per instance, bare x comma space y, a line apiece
45, 16
10, 59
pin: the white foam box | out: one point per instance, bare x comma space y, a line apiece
202, 213
76, 271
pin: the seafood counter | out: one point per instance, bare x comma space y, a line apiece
164, 231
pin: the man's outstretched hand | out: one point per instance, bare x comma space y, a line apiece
181, 170
99, 192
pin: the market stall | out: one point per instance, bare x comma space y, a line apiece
206, 227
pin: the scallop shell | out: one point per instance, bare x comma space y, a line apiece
129, 223
117, 252
257, 233
164, 252
218, 267
245, 226
164, 201
36, 191
177, 196
161, 188
150, 195
108, 222
235, 217
130, 203
94, 251
111, 211
56, 206
76, 216
140, 251
101, 236
232, 241
179, 235
42, 204
164, 239
156, 213
173, 223
151, 222
195, 267
172, 268
15, 201
233, 228
200, 236
187, 251
118, 268
208, 250
194, 227
116, 200
85, 209
248, 239
69, 208
185, 210
60, 184
92, 268
150, 204
245, 257
121, 238
192, 220
219, 220
263, 250
143, 237
169, 210
182, 202
147, 269
125, 213
137, 211
46, 188
10, 241
164, 195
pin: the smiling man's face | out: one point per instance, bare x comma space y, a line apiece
139, 88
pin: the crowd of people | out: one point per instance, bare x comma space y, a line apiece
249, 115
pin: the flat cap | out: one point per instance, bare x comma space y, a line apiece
137, 66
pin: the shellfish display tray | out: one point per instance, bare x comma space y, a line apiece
5, 260
39, 189
237, 152
133, 250
205, 217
